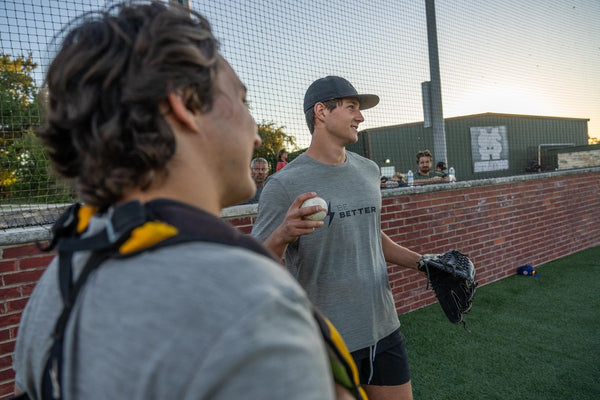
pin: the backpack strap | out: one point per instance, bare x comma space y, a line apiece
342, 364
68, 241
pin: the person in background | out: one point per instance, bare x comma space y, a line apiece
383, 182
259, 169
399, 178
141, 108
425, 175
281, 160
441, 168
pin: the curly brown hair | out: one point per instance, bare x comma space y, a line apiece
104, 128
424, 153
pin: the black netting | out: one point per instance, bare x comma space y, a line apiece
500, 64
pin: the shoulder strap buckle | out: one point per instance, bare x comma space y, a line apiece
65, 225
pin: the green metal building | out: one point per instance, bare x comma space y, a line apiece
478, 146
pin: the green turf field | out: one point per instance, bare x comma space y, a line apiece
531, 338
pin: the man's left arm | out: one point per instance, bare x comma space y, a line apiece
399, 255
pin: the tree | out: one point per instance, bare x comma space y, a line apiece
24, 167
25, 173
19, 109
273, 139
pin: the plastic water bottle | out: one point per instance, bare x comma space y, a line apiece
452, 174
410, 178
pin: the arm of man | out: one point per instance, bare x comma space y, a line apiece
433, 179
399, 255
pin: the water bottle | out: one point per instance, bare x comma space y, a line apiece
410, 178
452, 174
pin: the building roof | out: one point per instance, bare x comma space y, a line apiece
474, 116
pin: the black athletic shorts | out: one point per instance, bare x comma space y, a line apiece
388, 367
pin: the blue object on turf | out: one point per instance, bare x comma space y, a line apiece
527, 270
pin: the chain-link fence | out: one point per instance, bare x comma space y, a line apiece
499, 62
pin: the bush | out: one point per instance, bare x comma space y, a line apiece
26, 176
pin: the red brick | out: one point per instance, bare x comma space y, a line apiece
245, 229
5, 362
8, 266
7, 390
7, 320
16, 305
7, 374
9, 293
22, 277
7, 348
35, 262
21, 251
26, 290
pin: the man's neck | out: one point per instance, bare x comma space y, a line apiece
177, 187
423, 174
326, 151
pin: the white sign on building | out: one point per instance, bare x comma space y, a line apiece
489, 148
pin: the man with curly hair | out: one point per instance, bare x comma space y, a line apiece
425, 175
141, 108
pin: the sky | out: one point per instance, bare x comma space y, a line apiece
538, 57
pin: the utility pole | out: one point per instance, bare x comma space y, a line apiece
435, 87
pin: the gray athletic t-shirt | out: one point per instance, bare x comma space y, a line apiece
341, 266
191, 321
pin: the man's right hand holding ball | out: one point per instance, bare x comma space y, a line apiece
306, 213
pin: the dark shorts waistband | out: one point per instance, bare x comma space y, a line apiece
385, 343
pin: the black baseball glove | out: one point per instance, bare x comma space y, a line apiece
452, 276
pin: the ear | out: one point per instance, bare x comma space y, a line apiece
183, 115
320, 111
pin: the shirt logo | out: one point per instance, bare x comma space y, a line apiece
344, 211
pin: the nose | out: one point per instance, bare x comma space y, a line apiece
359, 116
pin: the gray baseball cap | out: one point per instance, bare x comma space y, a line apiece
336, 87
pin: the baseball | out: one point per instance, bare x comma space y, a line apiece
316, 201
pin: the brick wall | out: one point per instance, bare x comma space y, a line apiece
500, 227
500, 223
20, 268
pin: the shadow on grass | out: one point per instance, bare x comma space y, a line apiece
531, 338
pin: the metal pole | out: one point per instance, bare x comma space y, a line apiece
437, 114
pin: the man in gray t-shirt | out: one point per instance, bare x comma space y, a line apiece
142, 108
341, 261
